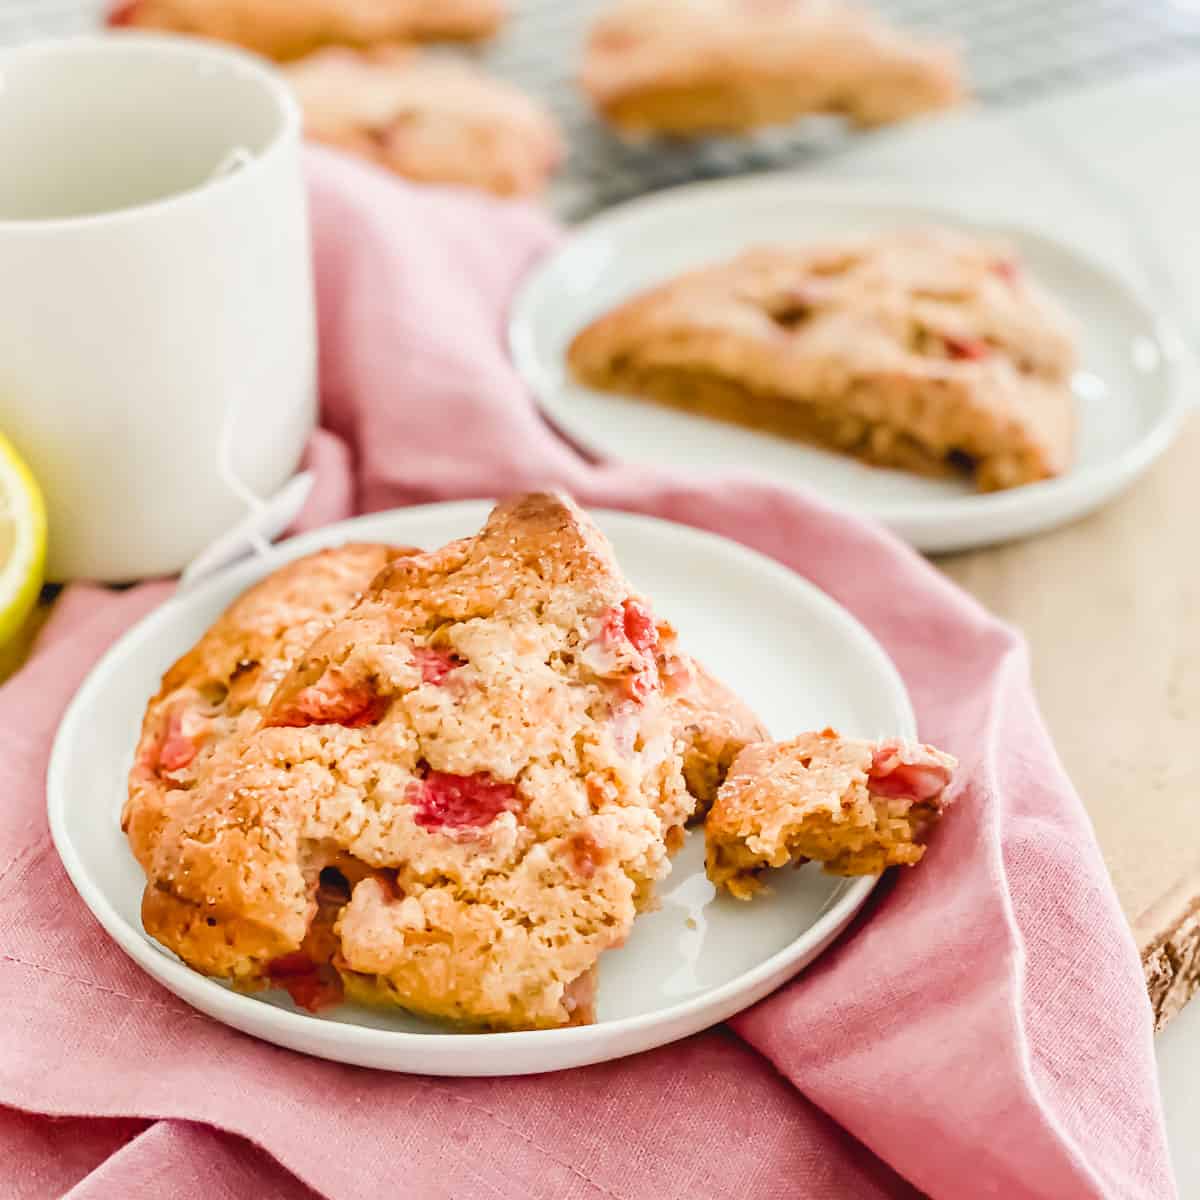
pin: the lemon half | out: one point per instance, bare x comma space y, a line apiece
22, 541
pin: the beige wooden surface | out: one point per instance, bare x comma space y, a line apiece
1111, 608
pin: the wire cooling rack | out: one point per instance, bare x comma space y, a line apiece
1015, 49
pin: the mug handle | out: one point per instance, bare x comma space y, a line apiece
265, 520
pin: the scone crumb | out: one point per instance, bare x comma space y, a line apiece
857, 807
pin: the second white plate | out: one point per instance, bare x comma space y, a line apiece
1128, 390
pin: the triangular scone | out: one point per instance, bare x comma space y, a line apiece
689, 67
855, 806
289, 28
428, 118
924, 349
460, 797
220, 688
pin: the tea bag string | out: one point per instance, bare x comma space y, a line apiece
234, 160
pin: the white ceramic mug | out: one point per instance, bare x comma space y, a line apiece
157, 345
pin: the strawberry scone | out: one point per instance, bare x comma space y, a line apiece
692, 67
286, 29
927, 349
461, 794
857, 807
429, 118
222, 685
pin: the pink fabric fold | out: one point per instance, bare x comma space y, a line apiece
983, 1030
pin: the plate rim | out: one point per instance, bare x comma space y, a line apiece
938, 521
297, 1030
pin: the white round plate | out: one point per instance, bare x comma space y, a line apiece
802, 660
1128, 390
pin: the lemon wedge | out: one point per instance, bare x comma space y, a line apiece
22, 541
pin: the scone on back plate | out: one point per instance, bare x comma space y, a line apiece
689, 67
929, 350
427, 117
285, 29
457, 799
855, 806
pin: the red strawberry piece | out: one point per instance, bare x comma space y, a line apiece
435, 665
123, 14
312, 986
894, 774
332, 701
638, 624
177, 749
973, 349
442, 800
586, 854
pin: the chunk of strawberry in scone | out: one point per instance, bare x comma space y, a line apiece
312, 986
967, 348
332, 700
178, 742
1008, 269
123, 14
586, 854
177, 749
435, 665
857, 807
624, 649
639, 627
908, 772
444, 801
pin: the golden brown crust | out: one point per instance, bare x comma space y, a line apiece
925, 349
249, 648
285, 29
688, 67
855, 806
428, 118
479, 758
222, 684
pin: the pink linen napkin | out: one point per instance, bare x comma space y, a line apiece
983, 1031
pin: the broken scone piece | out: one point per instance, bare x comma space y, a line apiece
285, 29
927, 349
854, 806
429, 118
693, 67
